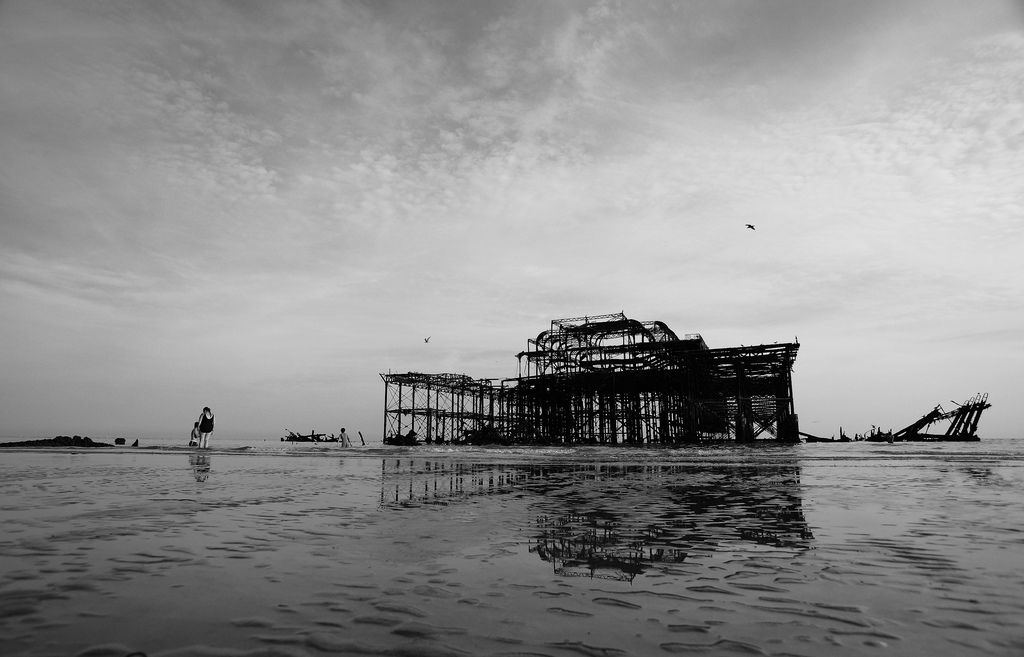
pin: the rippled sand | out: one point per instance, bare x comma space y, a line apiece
803, 550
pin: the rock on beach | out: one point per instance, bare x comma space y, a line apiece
58, 441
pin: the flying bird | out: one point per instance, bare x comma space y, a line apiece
426, 339
751, 226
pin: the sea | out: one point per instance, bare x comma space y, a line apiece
264, 549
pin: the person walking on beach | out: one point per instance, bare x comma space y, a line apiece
343, 440
193, 440
205, 427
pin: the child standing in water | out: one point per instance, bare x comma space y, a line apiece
193, 441
205, 427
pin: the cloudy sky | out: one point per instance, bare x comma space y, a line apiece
259, 206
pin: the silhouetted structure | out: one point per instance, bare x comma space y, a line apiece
441, 408
606, 380
963, 424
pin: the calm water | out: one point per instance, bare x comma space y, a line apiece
295, 550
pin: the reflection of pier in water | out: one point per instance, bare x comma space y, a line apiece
616, 521
412, 482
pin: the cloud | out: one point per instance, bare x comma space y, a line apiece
293, 192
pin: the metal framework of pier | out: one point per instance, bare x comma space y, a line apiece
963, 422
439, 408
606, 380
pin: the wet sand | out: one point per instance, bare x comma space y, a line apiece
803, 550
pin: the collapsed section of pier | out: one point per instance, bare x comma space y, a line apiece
604, 380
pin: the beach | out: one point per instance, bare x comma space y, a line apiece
853, 549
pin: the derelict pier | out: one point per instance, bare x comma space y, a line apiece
605, 380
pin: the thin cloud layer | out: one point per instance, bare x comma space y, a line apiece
259, 206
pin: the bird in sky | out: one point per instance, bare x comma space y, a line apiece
426, 339
751, 226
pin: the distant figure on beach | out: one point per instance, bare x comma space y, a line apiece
343, 439
205, 427
193, 440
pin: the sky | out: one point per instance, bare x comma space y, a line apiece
260, 206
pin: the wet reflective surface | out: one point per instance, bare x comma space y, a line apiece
803, 550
